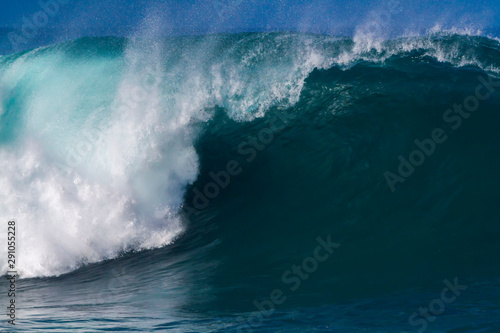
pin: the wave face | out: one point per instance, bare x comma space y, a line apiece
97, 135
106, 144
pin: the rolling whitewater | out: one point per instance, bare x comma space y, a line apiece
239, 183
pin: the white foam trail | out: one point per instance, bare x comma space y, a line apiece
65, 219
128, 166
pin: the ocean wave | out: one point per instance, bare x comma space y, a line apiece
99, 135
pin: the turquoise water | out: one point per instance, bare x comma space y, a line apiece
242, 183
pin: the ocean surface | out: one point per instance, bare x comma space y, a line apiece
254, 182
